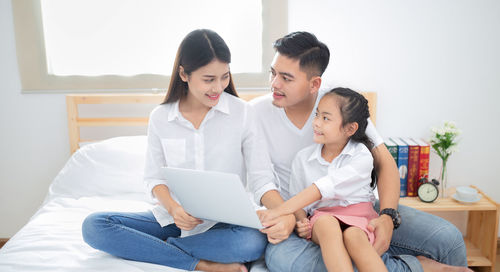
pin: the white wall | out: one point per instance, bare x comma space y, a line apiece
33, 137
428, 61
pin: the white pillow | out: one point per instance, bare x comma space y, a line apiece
112, 167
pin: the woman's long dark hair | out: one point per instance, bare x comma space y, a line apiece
198, 49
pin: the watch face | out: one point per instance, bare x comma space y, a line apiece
427, 192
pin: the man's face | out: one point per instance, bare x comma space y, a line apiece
289, 84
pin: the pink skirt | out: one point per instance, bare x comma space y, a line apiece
358, 215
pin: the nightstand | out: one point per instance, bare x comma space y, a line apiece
482, 226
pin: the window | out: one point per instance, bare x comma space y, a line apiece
95, 45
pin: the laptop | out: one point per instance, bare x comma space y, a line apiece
212, 195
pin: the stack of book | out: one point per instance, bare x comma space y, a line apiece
412, 158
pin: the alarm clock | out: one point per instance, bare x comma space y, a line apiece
428, 191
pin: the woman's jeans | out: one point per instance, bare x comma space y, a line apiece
420, 234
139, 237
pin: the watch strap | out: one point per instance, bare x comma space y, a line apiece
394, 214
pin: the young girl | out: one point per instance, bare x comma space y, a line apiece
331, 180
202, 124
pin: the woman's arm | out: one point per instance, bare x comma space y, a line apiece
182, 219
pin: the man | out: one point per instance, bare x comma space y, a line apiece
422, 241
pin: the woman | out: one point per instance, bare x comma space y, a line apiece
201, 124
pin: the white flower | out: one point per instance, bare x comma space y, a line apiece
452, 149
445, 139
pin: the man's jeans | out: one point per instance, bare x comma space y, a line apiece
139, 237
420, 234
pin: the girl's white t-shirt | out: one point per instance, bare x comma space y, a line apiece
228, 140
284, 140
343, 182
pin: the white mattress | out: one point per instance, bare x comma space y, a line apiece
52, 239
105, 176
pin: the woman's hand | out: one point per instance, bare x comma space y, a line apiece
182, 219
303, 228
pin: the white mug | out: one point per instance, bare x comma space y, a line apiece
466, 193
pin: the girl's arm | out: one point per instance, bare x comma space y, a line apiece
300, 214
293, 206
182, 219
299, 201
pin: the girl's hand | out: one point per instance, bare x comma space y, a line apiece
267, 215
182, 219
303, 228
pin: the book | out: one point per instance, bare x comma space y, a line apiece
413, 165
423, 165
392, 147
402, 164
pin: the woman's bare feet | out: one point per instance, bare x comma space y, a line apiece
430, 265
220, 267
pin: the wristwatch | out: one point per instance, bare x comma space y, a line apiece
394, 214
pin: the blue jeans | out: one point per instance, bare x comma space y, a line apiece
420, 234
139, 237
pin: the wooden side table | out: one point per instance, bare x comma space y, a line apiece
482, 226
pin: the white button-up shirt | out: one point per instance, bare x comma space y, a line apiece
344, 181
284, 140
227, 140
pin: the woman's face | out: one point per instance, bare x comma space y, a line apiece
207, 83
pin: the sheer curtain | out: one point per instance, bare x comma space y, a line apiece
133, 37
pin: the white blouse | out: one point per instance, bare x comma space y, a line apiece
227, 140
343, 182
284, 140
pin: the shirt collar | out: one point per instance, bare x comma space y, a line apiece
174, 112
348, 150
222, 106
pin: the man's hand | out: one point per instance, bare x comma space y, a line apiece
303, 228
183, 220
383, 227
278, 229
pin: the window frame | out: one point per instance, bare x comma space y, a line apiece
36, 79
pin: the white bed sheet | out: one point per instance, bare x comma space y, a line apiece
105, 176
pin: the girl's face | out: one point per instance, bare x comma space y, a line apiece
207, 83
327, 124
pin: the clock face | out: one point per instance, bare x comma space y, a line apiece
428, 192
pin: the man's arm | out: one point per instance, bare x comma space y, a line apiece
388, 177
388, 189
280, 228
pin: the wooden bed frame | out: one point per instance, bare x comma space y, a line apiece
75, 121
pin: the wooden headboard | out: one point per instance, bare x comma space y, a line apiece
75, 121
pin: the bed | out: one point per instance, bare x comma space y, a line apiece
103, 175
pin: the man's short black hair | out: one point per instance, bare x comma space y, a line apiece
312, 54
